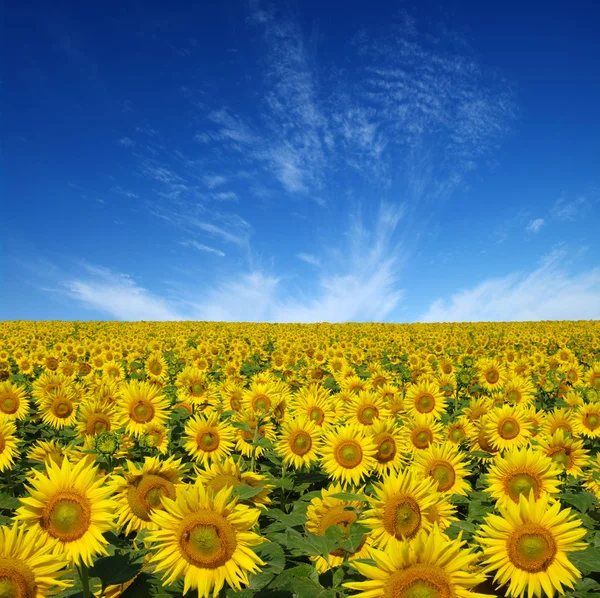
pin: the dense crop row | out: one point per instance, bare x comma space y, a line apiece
413, 461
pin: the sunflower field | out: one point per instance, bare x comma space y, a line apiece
312, 461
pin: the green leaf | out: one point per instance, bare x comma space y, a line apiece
582, 500
245, 426
481, 454
272, 554
464, 526
141, 587
349, 496
246, 492
116, 569
587, 560
355, 538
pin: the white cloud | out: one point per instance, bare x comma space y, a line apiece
214, 180
118, 296
547, 293
126, 142
535, 225
201, 247
309, 259
569, 209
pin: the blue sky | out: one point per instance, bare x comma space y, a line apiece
300, 161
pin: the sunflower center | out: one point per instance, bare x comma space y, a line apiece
224, 480
146, 496
208, 440
367, 414
348, 454
402, 517
16, 579
513, 396
9, 405
509, 428
207, 540
386, 448
419, 581
261, 403
61, 408
142, 412
156, 368
422, 438
457, 435
492, 376
97, 424
531, 548
301, 443
443, 474
2, 443
196, 389
317, 415
425, 403
522, 483
592, 421
66, 516
562, 456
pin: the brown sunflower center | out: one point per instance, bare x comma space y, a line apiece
196, 389
513, 396
66, 516
492, 376
402, 517
509, 428
145, 495
422, 437
425, 403
457, 435
420, 580
531, 548
142, 412
156, 368
61, 408
386, 448
97, 423
207, 540
591, 421
261, 403
348, 454
522, 483
300, 442
366, 414
562, 456
443, 473
9, 405
208, 440
2, 443
17, 580
317, 415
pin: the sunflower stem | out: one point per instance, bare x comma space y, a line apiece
85, 580
283, 468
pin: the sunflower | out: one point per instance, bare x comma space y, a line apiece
508, 427
587, 420
139, 492
419, 432
111, 370
442, 513
566, 452
206, 539
264, 397
208, 439
528, 545
193, 386
478, 408
424, 398
259, 426
592, 479
228, 474
95, 417
348, 454
156, 366
592, 376
444, 464
70, 505
325, 511
459, 430
49, 450
518, 472
155, 437
365, 408
518, 390
141, 404
8, 444
13, 401
231, 396
492, 373
559, 419
398, 509
316, 403
429, 566
28, 569
299, 442
388, 442
59, 407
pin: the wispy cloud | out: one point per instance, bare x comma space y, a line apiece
126, 142
567, 209
546, 293
202, 247
313, 260
534, 226
214, 180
